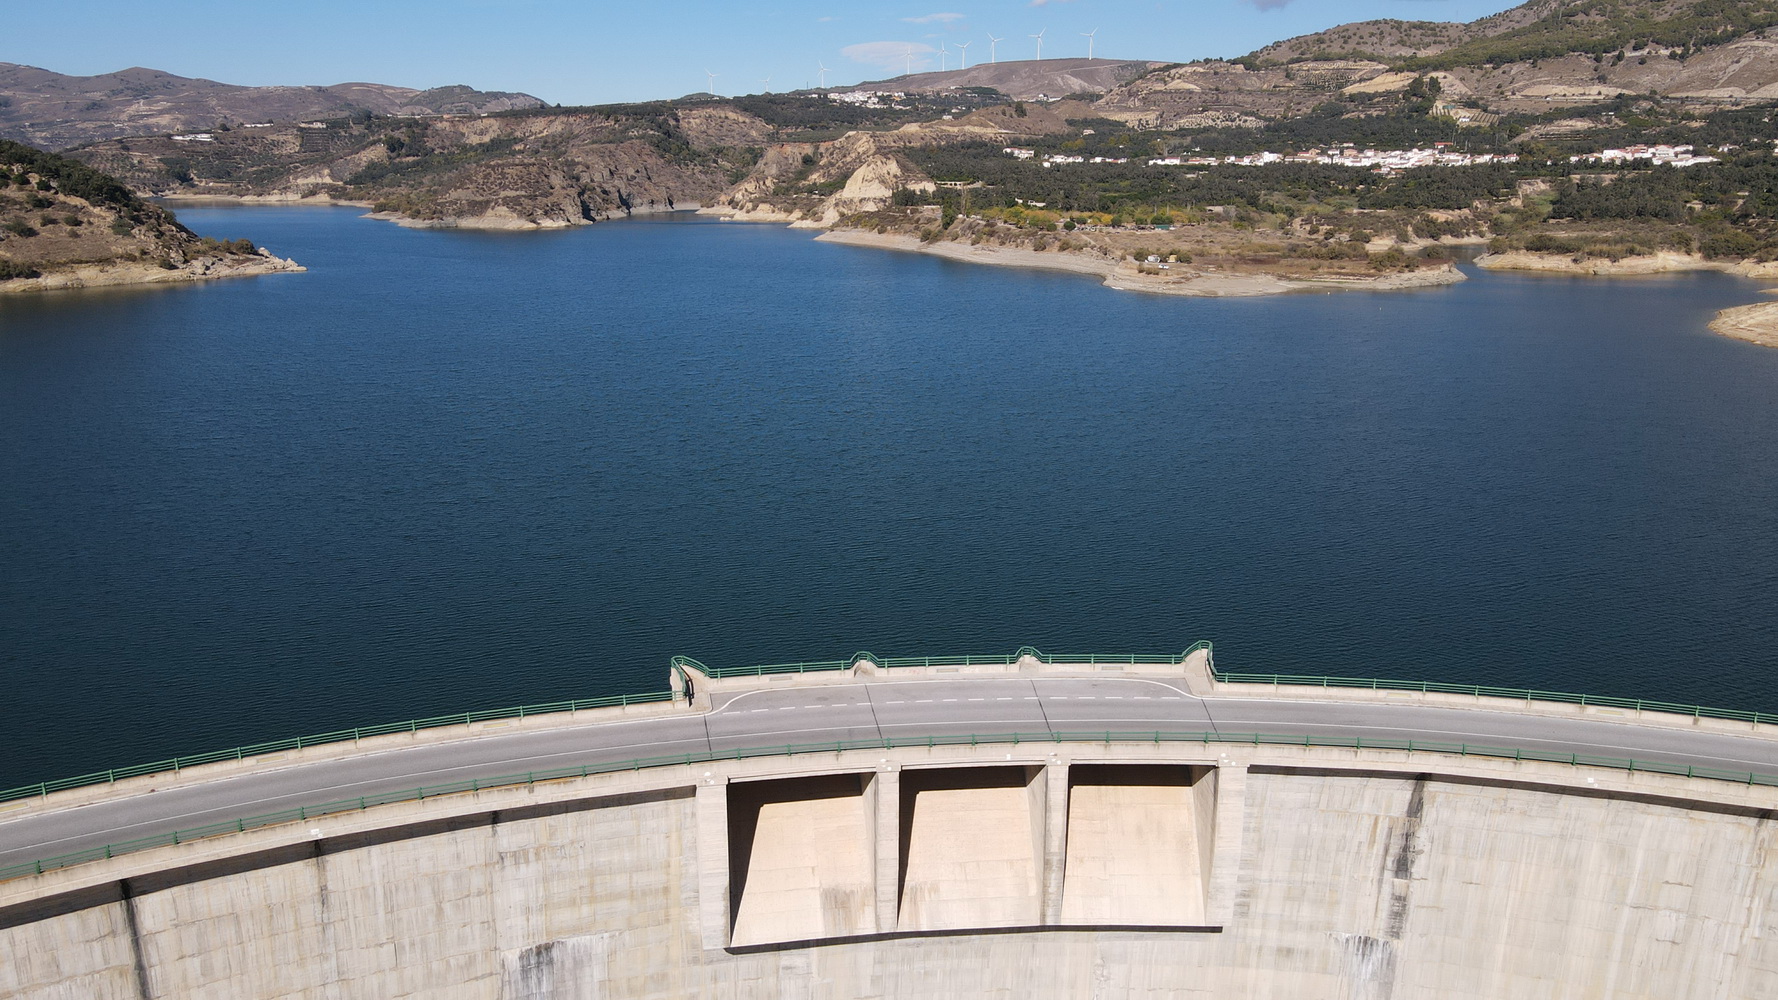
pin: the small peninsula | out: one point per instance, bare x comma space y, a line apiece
65, 225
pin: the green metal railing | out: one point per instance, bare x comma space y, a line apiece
679, 664
893, 662
1484, 691
305, 813
339, 736
682, 664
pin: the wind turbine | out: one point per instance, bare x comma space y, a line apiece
823, 73
768, 85
712, 77
992, 55
908, 66
944, 57
1088, 35
1039, 37
963, 54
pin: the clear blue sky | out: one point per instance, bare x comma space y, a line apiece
581, 52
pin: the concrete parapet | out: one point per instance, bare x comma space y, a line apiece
341, 750
1492, 703
708, 692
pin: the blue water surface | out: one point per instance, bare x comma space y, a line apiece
449, 470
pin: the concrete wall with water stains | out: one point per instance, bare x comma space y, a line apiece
1322, 875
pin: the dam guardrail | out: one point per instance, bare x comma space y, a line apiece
677, 663
361, 803
175, 764
1485, 691
680, 663
893, 662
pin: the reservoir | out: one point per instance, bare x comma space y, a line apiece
444, 471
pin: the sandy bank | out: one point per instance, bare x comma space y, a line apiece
256, 199
139, 273
499, 219
1757, 323
1656, 263
1182, 279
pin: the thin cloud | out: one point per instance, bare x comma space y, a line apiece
933, 19
1046, 3
891, 56
1267, 4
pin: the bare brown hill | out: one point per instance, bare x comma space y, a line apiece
55, 111
1527, 59
528, 170
1024, 79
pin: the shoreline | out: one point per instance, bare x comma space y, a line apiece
1756, 323
1124, 276
497, 220
117, 274
256, 199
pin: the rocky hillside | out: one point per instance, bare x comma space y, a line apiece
507, 171
818, 184
64, 224
1024, 79
555, 168
1541, 54
53, 111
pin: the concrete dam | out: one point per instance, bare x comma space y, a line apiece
1024, 826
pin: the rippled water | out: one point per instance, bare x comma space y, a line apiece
445, 471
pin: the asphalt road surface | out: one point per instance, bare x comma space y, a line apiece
863, 711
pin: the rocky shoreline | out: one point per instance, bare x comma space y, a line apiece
119, 273
1125, 275
1756, 323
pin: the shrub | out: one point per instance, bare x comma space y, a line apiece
1732, 244
1391, 259
1545, 243
10, 270
18, 227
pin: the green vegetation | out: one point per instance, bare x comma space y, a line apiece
71, 177
1601, 27
1135, 189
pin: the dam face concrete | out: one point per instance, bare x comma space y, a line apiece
1340, 878
1061, 868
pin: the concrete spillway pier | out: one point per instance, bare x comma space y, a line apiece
1056, 865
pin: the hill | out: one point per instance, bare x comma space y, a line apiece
54, 111
64, 224
1023, 79
545, 168
513, 170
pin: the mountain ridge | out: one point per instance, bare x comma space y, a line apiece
58, 111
